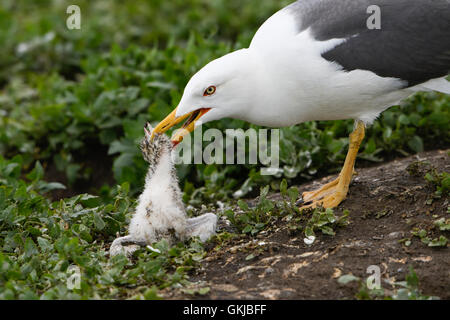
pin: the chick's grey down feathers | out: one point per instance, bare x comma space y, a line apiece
160, 213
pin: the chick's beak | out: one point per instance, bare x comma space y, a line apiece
171, 120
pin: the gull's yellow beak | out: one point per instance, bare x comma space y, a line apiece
171, 120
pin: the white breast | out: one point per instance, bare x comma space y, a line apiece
299, 85
158, 209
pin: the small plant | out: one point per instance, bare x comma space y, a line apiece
289, 197
402, 290
325, 221
315, 220
253, 220
197, 291
443, 224
427, 238
418, 168
433, 234
441, 181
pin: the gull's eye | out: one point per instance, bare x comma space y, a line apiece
210, 91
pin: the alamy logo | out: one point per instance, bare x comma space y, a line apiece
74, 20
374, 21
74, 280
374, 281
231, 148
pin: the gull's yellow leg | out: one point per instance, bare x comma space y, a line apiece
322, 192
331, 194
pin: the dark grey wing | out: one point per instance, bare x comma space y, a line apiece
413, 43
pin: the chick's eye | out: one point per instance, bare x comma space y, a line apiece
210, 91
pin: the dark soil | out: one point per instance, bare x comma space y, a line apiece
97, 163
385, 204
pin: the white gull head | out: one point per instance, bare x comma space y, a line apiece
229, 86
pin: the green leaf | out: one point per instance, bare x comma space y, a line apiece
411, 278
441, 242
203, 291
283, 187
45, 245
327, 230
243, 205
260, 226
47, 187
37, 173
244, 218
422, 233
347, 279
122, 146
443, 224
250, 257
416, 144
72, 172
138, 106
209, 170
247, 229
309, 232
98, 221
293, 194
403, 119
230, 215
30, 248
152, 294
264, 191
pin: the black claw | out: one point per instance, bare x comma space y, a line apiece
136, 242
302, 202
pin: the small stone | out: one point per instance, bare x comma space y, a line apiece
309, 240
287, 294
269, 270
395, 235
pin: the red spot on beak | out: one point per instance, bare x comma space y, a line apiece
175, 143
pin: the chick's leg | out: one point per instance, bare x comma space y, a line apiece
125, 245
333, 193
203, 227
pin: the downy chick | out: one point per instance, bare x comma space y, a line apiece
160, 212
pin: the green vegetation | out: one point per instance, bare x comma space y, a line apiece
72, 107
432, 233
426, 239
41, 239
400, 290
73, 98
441, 181
253, 219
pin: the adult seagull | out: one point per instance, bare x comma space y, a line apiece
325, 60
